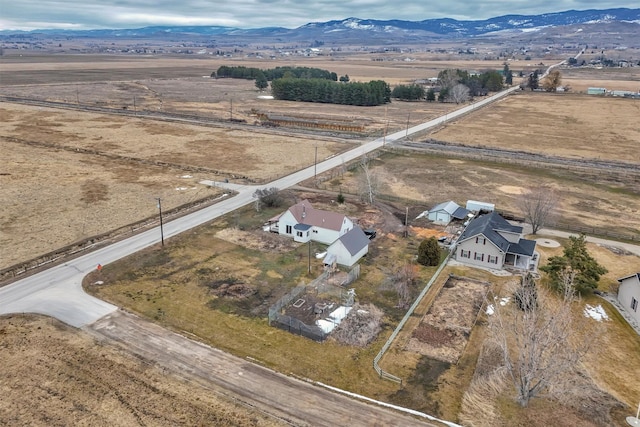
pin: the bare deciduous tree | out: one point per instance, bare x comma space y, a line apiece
538, 205
403, 279
459, 93
269, 197
552, 82
537, 339
368, 184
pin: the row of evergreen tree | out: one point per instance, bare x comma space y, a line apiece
249, 73
376, 92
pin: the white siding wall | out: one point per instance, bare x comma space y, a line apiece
317, 234
439, 216
323, 235
343, 256
479, 254
629, 289
287, 218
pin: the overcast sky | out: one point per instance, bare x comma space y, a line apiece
91, 14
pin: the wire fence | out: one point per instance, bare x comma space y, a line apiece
278, 319
406, 317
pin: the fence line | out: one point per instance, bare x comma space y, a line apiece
408, 314
293, 325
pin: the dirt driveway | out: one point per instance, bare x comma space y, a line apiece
298, 402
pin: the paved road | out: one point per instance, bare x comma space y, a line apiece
57, 291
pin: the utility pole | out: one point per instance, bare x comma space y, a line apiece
161, 230
315, 163
406, 222
231, 110
134, 106
309, 257
408, 117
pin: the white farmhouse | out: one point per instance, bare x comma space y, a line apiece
304, 223
629, 295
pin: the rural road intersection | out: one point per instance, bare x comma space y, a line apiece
58, 292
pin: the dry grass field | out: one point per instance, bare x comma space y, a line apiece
53, 195
61, 376
566, 125
427, 180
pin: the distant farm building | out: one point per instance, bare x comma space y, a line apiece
596, 91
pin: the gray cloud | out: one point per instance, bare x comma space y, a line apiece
89, 14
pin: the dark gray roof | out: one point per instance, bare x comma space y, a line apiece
489, 225
523, 247
354, 240
630, 276
302, 227
452, 208
460, 213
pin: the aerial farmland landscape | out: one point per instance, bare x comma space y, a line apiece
322, 226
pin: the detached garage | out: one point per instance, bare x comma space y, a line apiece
445, 212
348, 249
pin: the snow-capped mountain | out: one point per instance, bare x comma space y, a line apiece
394, 30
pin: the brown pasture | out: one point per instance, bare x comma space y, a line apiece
51, 191
566, 125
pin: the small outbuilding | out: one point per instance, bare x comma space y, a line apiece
445, 212
477, 206
348, 249
629, 295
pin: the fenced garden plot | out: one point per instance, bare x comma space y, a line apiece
444, 331
315, 309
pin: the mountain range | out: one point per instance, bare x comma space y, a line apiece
378, 30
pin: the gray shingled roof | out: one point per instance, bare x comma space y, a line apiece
354, 240
452, 208
489, 225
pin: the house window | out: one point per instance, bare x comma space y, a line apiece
481, 240
492, 259
315, 231
634, 304
288, 229
478, 257
465, 254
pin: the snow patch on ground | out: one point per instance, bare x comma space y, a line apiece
186, 176
491, 308
335, 317
595, 312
